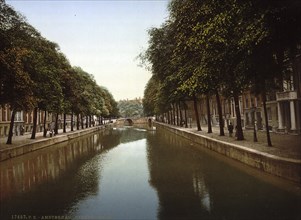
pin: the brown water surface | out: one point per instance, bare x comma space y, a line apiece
137, 173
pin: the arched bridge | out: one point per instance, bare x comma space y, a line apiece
131, 121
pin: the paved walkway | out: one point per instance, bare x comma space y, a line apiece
25, 139
284, 145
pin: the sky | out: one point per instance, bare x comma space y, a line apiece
103, 37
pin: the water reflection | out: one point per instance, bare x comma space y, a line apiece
136, 173
193, 185
201, 191
53, 178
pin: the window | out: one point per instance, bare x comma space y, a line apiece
269, 111
4, 118
247, 103
288, 81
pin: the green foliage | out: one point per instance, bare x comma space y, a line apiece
130, 108
211, 45
155, 101
16, 83
34, 73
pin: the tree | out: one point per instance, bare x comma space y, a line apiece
196, 74
46, 68
109, 103
150, 97
130, 108
160, 56
282, 22
224, 34
15, 82
36, 75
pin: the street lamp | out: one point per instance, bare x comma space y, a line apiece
254, 124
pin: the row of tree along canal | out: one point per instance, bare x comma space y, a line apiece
211, 48
36, 75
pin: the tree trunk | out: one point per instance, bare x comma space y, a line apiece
220, 114
77, 121
208, 114
87, 121
239, 132
168, 121
178, 116
185, 113
64, 126
11, 127
263, 96
72, 119
44, 124
56, 127
34, 127
82, 121
181, 115
174, 114
197, 118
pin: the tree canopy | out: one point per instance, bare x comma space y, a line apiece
210, 47
36, 74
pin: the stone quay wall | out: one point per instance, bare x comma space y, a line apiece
286, 168
15, 151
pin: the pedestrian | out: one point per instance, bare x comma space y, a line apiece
22, 130
236, 131
230, 129
51, 130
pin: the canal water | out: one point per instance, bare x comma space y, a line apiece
139, 173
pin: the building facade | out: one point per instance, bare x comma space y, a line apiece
24, 121
288, 101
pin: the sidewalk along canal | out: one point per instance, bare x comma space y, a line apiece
22, 146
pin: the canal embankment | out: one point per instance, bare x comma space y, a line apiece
23, 144
288, 168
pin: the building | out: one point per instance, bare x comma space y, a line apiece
286, 104
24, 121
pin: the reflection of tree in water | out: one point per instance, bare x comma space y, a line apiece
172, 170
110, 138
46, 182
194, 184
123, 135
54, 178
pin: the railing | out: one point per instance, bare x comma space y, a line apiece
289, 95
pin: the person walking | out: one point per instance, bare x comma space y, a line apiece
230, 129
51, 129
